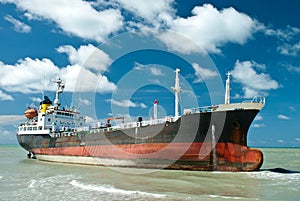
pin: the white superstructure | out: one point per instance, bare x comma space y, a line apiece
51, 119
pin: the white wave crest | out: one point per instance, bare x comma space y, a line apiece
110, 189
32, 183
229, 197
278, 179
275, 176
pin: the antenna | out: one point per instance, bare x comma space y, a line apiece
60, 89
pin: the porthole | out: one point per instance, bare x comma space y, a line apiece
236, 124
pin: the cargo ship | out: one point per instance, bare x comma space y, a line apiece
212, 138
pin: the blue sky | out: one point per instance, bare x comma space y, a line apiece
118, 42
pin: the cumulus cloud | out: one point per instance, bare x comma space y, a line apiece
154, 12
126, 103
4, 96
88, 56
18, 25
26, 76
32, 75
203, 74
253, 83
283, 117
211, 28
75, 17
207, 27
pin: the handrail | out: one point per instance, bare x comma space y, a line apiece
256, 99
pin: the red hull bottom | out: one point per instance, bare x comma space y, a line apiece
184, 156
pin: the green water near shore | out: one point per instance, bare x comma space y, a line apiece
27, 179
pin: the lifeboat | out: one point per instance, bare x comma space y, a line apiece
30, 113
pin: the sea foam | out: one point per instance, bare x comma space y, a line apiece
110, 189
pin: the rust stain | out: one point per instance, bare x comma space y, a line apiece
186, 156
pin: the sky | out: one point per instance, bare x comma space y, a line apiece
116, 57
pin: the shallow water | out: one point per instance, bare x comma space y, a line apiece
27, 179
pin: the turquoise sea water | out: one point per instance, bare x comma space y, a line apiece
28, 179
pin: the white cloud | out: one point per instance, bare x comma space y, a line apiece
126, 103
154, 12
36, 99
11, 119
210, 28
88, 56
90, 120
292, 108
207, 28
203, 74
179, 43
18, 25
289, 49
285, 34
258, 118
142, 105
297, 139
84, 102
26, 76
156, 71
258, 125
153, 69
4, 96
254, 83
80, 79
292, 68
76, 17
283, 117
289, 40
280, 141
33, 75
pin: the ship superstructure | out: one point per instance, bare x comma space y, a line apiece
51, 119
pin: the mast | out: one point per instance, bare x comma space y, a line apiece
227, 92
60, 89
177, 90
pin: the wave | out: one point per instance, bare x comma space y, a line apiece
230, 197
277, 178
110, 189
32, 183
48, 182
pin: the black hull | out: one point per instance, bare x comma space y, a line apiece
230, 127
